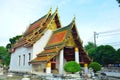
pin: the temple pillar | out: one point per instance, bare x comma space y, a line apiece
77, 55
86, 68
61, 57
48, 67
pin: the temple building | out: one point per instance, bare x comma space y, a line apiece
46, 46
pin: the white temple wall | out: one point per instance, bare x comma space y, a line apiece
18, 64
20, 58
39, 68
41, 43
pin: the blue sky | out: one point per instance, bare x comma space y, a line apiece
91, 15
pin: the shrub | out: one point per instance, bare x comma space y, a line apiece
72, 67
95, 66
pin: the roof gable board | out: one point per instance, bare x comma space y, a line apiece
60, 36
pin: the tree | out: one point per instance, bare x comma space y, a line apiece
118, 2
90, 50
95, 66
118, 51
13, 41
105, 54
72, 67
4, 55
89, 46
118, 56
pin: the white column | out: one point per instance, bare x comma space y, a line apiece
86, 68
48, 67
61, 57
76, 55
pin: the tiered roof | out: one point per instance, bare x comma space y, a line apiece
37, 29
58, 41
36, 24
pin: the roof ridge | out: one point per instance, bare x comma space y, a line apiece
62, 28
35, 22
46, 15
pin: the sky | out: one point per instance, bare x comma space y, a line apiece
100, 16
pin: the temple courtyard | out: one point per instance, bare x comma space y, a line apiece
12, 76
57, 78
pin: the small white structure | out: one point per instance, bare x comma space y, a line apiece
1, 68
46, 46
1, 71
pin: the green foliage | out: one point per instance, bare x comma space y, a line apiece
72, 67
118, 1
8, 46
4, 55
13, 41
90, 49
89, 46
118, 56
103, 54
118, 51
95, 66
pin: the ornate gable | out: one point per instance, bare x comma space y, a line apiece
66, 36
38, 28
36, 24
58, 37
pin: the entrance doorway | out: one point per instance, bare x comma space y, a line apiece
69, 53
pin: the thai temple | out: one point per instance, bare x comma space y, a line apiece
46, 46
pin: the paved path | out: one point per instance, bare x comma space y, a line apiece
113, 78
113, 74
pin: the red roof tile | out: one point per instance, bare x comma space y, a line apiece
42, 58
35, 25
57, 38
50, 50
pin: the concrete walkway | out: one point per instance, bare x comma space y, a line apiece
113, 74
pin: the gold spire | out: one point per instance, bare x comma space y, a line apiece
56, 9
50, 11
74, 18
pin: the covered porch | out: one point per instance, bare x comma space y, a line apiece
55, 64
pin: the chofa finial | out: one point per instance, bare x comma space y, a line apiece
57, 9
50, 11
74, 18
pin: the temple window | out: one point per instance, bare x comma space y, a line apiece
24, 59
29, 56
19, 60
